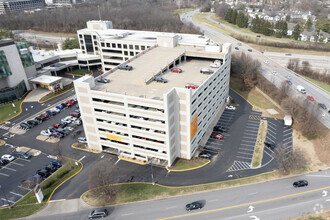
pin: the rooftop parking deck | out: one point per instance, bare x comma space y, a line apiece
133, 82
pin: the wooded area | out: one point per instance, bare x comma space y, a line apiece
150, 15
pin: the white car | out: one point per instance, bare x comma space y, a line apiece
55, 110
69, 128
71, 118
8, 157
82, 140
45, 133
275, 73
77, 122
230, 107
66, 120
215, 65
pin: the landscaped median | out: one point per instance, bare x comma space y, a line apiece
28, 205
54, 94
259, 147
184, 165
81, 72
133, 192
83, 147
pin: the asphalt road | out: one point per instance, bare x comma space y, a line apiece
276, 199
319, 94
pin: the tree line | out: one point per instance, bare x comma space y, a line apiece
237, 17
149, 15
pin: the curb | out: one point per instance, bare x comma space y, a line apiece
132, 161
91, 151
243, 98
2, 142
54, 96
194, 168
20, 108
72, 74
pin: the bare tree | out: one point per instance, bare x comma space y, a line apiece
221, 9
290, 161
284, 91
58, 150
293, 64
101, 178
306, 67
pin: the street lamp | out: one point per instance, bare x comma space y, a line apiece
152, 172
5, 196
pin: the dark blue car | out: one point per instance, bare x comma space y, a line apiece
60, 107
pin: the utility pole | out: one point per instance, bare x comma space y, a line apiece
98, 8
152, 172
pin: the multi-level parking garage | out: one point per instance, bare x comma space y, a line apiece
135, 116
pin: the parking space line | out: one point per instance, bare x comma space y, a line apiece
248, 158
9, 168
273, 132
24, 159
4, 174
253, 127
284, 135
253, 122
271, 135
272, 123
249, 145
212, 148
7, 200
247, 137
17, 194
246, 149
287, 139
17, 164
240, 152
249, 141
286, 130
250, 132
271, 127
269, 139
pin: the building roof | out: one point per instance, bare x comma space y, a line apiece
46, 79
6, 42
133, 82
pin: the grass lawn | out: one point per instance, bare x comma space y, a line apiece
319, 83
81, 72
182, 164
255, 97
52, 95
64, 35
7, 110
182, 11
28, 204
132, 192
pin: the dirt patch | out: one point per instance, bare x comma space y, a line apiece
17, 130
312, 150
322, 148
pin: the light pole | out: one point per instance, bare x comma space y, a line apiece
152, 172
5, 196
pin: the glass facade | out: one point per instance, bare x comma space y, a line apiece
25, 54
5, 70
11, 94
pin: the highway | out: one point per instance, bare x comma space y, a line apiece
320, 95
276, 199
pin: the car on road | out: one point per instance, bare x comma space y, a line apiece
220, 129
311, 98
56, 110
23, 155
216, 135
323, 106
205, 155
25, 126
236, 48
176, 70
270, 145
98, 213
82, 140
45, 133
258, 36
250, 50
288, 77
288, 54
103, 80
160, 79
289, 82
50, 113
194, 205
191, 86
206, 71
8, 157
300, 183
274, 73
125, 67
230, 107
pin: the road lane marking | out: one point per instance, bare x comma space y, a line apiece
252, 194
17, 194
4, 174
59, 200
214, 200
172, 207
81, 158
318, 175
127, 214
7, 200
18, 164
117, 161
9, 168
246, 204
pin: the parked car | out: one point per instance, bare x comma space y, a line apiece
60, 107
50, 168
64, 104
82, 140
23, 155
323, 106
71, 101
216, 135
215, 65
56, 110
311, 98
66, 120
32, 123
220, 129
205, 155
68, 128
206, 71
75, 133
125, 67
98, 213
274, 73
40, 119
45, 133
270, 145
57, 135
77, 122
75, 114
289, 82
25, 126
258, 36
8, 157
56, 163
50, 113
160, 79
103, 80
62, 131
300, 183
44, 115
51, 129
77, 110
250, 50
236, 48
69, 105
43, 173
230, 107
176, 70
191, 86
194, 205
3, 162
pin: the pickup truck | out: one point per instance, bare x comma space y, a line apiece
125, 67
301, 89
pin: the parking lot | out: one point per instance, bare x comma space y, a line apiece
14, 172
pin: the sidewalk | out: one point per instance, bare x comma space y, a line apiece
36, 94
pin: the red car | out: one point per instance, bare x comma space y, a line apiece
70, 101
44, 115
75, 114
191, 86
176, 70
217, 136
311, 98
56, 125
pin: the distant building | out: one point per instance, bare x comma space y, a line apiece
13, 6
62, 3
17, 65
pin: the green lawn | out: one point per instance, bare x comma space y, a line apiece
132, 192
319, 83
7, 110
28, 204
182, 164
81, 72
52, 95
